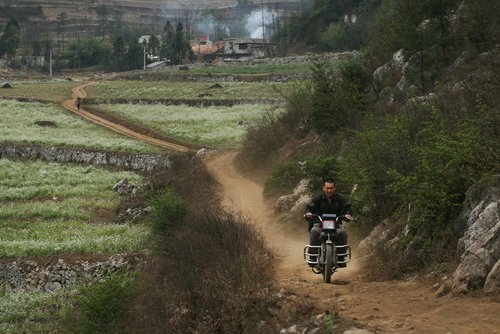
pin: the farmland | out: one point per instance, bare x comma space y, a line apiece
213, 126
56, 210
138, 90
19, 125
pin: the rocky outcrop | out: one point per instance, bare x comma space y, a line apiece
29, 275
389, 74
293, 205
383, 236
480, 245
286, 202
138, 161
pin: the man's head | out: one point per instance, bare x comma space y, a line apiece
329, 188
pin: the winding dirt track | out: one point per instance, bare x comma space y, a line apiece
382, 307
80, 92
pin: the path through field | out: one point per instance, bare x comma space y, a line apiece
382, 307
80, 92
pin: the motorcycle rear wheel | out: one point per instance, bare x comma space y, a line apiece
329, 254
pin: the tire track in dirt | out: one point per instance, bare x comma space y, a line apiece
79, 92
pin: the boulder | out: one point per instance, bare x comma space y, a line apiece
480, 245
381, 235
413, 80
390, 73
297, 211
285, 203
492, 284
294, 203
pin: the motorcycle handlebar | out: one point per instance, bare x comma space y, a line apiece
311, 216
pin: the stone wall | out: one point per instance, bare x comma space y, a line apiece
137, 161
30, 275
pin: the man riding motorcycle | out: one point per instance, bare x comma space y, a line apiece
329, 201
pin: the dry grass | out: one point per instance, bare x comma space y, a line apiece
213, 272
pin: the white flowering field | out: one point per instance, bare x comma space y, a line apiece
29, 312
17, 125
147, 90
53, 90
213, 126
50, 208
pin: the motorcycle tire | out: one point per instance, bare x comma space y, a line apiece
329, 256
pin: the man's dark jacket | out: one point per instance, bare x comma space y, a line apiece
337, 205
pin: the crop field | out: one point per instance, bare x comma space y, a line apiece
29, 312
19, 119
50, 91
49, 209
153, 90
212, 126
53, 209
255, 69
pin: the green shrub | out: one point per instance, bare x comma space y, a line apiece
169, 211
320, 168
262, 140
338, 99
436, 186
102, 307
299, 96
284, 177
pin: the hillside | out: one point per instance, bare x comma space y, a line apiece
88, 14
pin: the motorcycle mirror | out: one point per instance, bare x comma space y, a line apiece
311, 206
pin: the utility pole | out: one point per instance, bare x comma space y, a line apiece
144, 46
50, 62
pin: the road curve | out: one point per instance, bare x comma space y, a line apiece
79, 92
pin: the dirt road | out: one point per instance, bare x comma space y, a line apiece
382, 307
80, 92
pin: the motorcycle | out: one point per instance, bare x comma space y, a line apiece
326, 258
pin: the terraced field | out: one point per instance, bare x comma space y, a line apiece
53, 210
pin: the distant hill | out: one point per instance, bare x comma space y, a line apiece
63, 20
91, 12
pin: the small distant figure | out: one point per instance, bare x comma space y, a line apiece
78, 102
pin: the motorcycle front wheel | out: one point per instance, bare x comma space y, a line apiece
327, 272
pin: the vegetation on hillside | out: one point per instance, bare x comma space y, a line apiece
406, 153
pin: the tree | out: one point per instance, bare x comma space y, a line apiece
10, 40
337, 96
154, 45
90, 52
61, 29
166, 42
135, 55
180, 45
37, 48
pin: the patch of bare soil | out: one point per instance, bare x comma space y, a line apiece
394, 306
